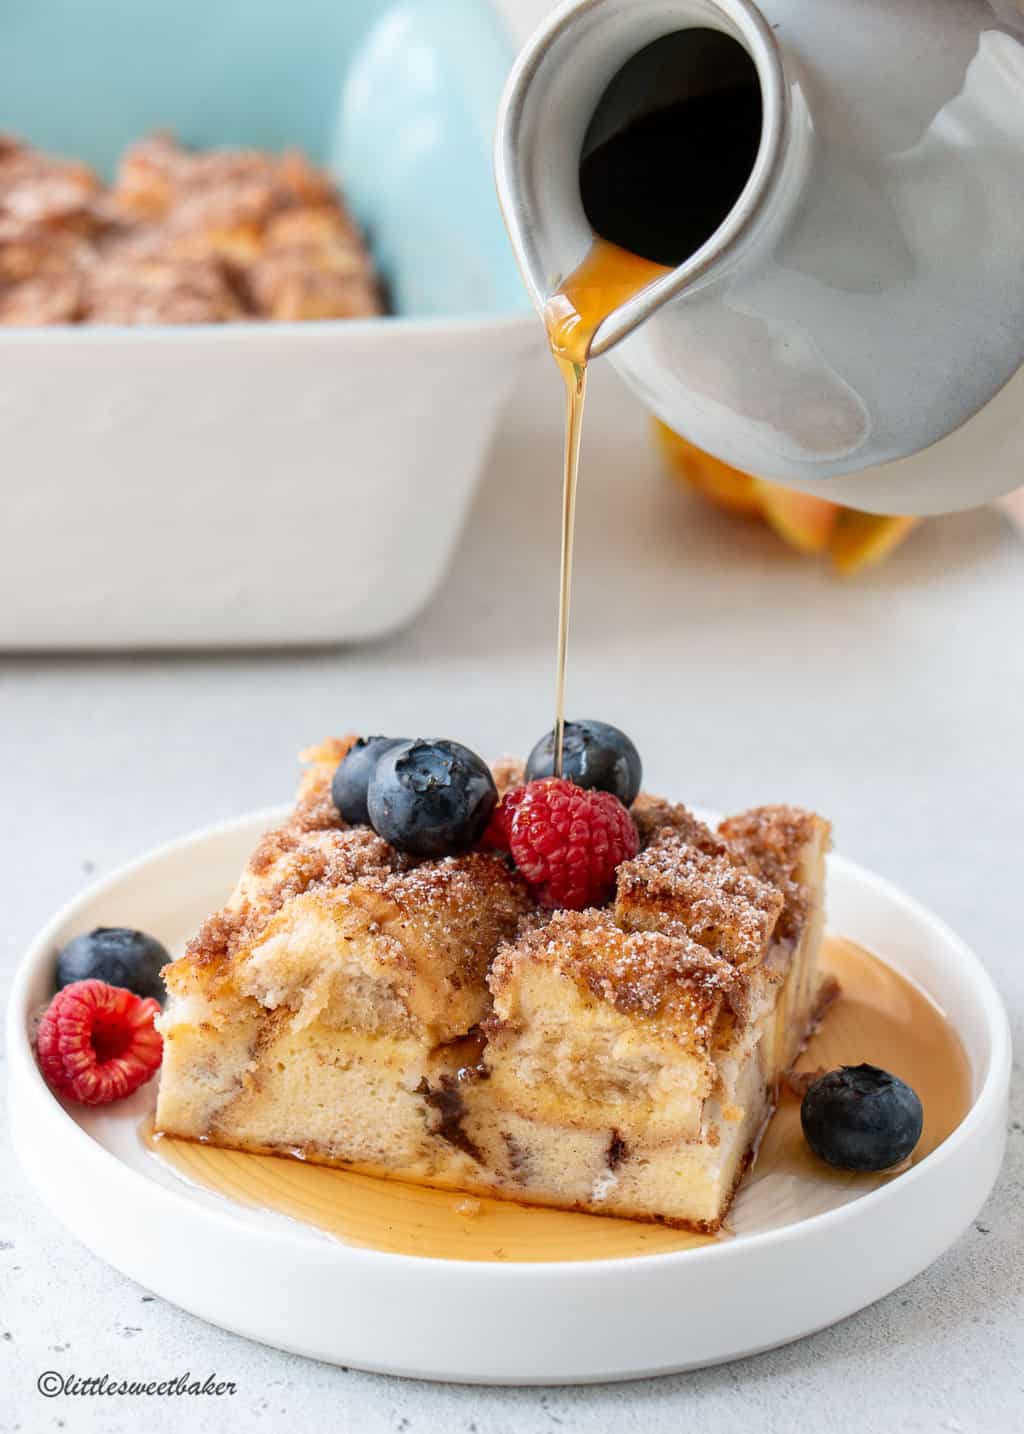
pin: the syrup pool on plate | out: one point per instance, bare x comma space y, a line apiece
880, 1017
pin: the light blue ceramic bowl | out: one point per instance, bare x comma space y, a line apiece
397, 97
223, 484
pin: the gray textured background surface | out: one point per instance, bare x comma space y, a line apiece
892, 703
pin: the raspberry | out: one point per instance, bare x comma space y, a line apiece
97, 1043
497, 835
567, 842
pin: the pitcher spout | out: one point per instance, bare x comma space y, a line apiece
599, 67
861, 296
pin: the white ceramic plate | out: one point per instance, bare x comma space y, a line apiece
791, 1268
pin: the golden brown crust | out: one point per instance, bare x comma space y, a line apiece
48, 298
314, 808
47, 225
422, 937
668, 979
673, 886
317, 895
160, 289
180, 237
773, 841
312, 265
654, 815
695, 912
453, 911
38, 188
508, 772
286, 863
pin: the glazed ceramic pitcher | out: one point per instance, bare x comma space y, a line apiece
855, 325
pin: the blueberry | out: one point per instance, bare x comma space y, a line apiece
117, 955
431, 798
348, 789
594, 755
861, 1118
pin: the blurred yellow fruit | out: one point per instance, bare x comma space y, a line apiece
861, 539
804, 521
727, 487
809, 524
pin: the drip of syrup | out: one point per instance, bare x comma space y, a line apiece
604, 281
880, 1017
659, 172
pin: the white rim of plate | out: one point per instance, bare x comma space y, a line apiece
994, 1082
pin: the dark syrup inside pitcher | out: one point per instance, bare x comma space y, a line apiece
671, 145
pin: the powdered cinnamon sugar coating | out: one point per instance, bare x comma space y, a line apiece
646, 974
35, 250
296, 859
508, 772
695, 914
472, 899
47, 226
675, 887
156, 176
287, 863
180, 238
48, 298
312, 265
773, 841
654, 814
314, 846
396, 950
314, 807
37, 188
454, 909
129, 288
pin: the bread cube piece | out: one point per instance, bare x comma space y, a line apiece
323, 1007
786, 846
676, 886
653, 815
602, 1091
635, 1056
596, 1027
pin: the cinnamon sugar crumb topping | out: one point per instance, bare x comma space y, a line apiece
676, 887
653, 815
508, 772
773, 841
331, 858
315, 809
695, 912
475, 876
286, 864
180, 237
642, 973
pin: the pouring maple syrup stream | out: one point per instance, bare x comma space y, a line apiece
607, 277
654, 187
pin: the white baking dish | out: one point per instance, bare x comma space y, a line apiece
263, 483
